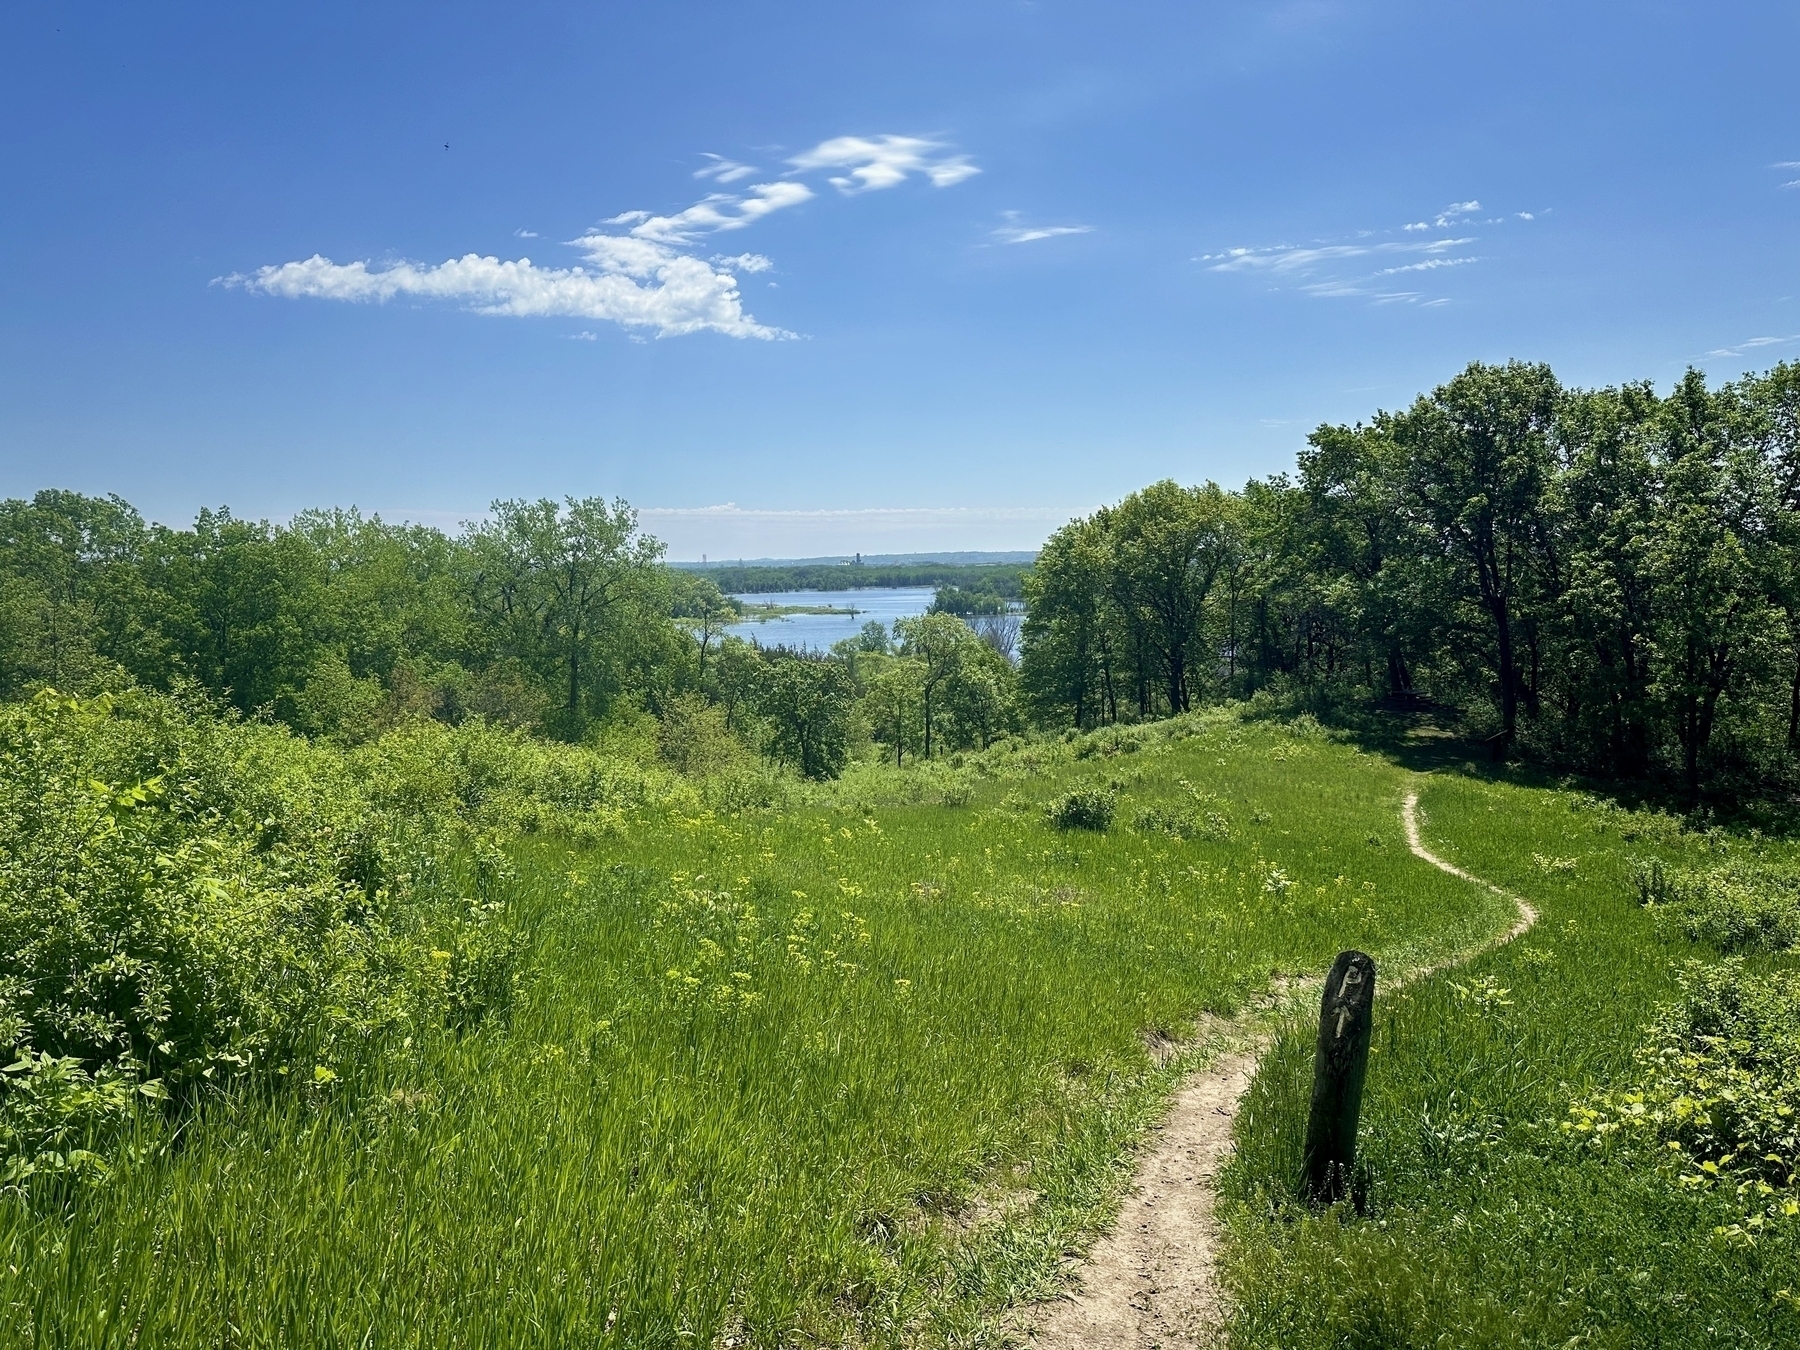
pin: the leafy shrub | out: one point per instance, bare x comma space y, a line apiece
1741, 906
1720, 1087
1087, 808
499, 780
182, 899
1181, 824
694, 739
189, 899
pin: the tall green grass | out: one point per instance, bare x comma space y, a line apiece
1488, 1223
858, 1070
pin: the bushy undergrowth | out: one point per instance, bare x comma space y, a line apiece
1197, 818
1084, 808
1739, 906
189, 900
1719, 1086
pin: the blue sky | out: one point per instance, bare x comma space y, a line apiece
851, 276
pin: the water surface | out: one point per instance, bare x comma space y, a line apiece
882, 604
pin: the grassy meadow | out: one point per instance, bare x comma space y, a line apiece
1517, 1195
858, 1069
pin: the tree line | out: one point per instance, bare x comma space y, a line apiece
544, 614
1607, 579
560, 618
1002, 579
1604, 579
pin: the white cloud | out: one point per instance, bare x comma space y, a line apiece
1751, 344
1358, 266
632, 282
1336, 290
723, 170
1786, 164
884, 162
1429, 265
642, 278
715, 212
583, 336
1284, 258
639, 279
1014, 233
743, 262
1793, 184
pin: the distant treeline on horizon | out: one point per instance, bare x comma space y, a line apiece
1004, 579
962, 558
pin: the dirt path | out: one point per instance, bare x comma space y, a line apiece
1151, 1283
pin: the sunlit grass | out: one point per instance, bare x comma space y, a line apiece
1487, 1223
860, 1070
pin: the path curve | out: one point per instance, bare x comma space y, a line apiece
1152, 1282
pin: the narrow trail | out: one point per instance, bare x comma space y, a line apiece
1152, 1282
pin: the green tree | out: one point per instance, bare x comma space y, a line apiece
894, 705
1606, 502
1169, 545
979, 697
243, 608
560, 585
939, 643
71, 590
737, 680
1065, 667
809, 703
1476, 461
1716, 627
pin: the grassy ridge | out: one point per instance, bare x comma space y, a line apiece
1488, 1223
862, 1069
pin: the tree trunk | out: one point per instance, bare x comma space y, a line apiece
1509, 675
1793, 736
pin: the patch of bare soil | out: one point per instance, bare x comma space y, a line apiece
1152, 1282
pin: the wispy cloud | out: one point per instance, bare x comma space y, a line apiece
723, 170
1285, 258
713, 213
643, 274
1350, 267
523, 233
1429, 265
1014, 233
1751, 344
884, 162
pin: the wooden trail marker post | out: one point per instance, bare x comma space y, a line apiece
1345, 1017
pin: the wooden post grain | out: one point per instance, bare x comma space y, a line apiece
1345, 1017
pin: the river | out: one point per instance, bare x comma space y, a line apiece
883, 604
